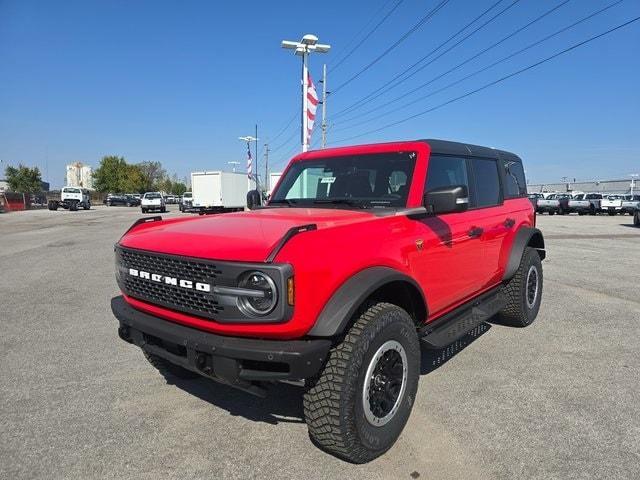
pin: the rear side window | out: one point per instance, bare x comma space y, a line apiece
514, 182
486, 183
446, 171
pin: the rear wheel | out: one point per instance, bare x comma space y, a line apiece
523, 292
168, 369
551, 212
611, 213
581, 213
636, 218
358, 405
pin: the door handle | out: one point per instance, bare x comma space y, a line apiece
509, 222
475, 232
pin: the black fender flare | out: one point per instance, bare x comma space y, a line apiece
526, 236
345, 301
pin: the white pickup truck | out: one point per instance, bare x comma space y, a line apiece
71, 198
631, 204
554, 203
584, 203
612, 204
153, 201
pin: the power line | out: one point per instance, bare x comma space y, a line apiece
291, 137
495, 82
406, 35
387, 87
502, 60
366, 37
461, 64
295, 115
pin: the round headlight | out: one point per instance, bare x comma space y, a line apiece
263, 303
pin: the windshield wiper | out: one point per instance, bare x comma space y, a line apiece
282, 201
341, 201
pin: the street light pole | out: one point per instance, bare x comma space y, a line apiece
633, 181
303, 48
250, 139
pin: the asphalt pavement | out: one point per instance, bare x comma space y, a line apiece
557, 400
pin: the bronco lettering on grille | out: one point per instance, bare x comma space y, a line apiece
154, 277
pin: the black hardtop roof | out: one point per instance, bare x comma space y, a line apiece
445, 147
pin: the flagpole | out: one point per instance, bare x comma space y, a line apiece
305, 101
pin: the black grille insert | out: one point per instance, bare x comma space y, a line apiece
187, 300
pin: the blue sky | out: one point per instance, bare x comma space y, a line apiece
179, 81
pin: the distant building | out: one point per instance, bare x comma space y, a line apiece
596, 186
79, 175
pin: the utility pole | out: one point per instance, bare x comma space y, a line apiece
267, 183
303, 48
324, 105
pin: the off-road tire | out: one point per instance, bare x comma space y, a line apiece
333, 401
169, 370
518, 312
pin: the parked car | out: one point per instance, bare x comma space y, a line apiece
153, 201
612, 204
534, 197
585, 203
403, 253
554, 203
630, 204
186, 202
128, 200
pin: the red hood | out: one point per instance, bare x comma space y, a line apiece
244, 237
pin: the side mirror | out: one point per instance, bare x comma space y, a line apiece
447, 200
253, 199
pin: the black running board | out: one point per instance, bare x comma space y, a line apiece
462, 320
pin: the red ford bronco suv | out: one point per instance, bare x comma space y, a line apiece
362, 254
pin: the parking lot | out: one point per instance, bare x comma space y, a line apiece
556, 400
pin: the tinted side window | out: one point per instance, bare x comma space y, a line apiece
486, 182
515, 184
444, 171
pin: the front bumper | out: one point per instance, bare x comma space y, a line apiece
236, 361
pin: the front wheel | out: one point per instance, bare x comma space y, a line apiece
551, 212
358, 405
523, 292
636, 218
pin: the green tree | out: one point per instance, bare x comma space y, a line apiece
111, 175
24, 179
153, 174
133, 181
179, 188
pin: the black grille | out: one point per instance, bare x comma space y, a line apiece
177, 298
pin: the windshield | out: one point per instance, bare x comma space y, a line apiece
71, 190
151, 195
187, 195
363, 181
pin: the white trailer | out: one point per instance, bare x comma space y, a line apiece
219, 192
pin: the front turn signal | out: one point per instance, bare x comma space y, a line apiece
290, 291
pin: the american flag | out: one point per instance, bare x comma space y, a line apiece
249, 161
312, 105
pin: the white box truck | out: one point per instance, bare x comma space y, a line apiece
219, 192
